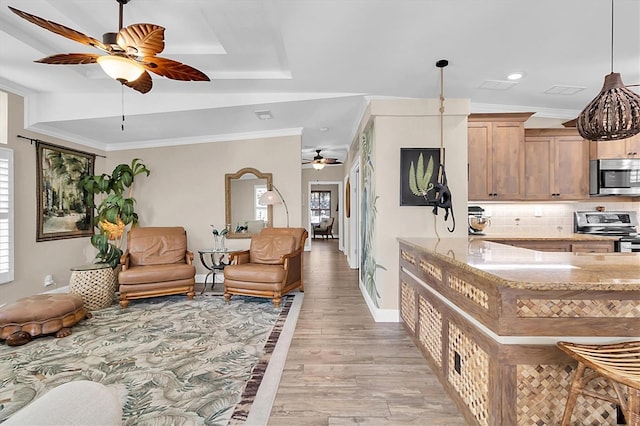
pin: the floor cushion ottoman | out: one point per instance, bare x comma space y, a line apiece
40, 314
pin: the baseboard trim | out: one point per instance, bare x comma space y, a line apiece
64, 289
379, 315
200, 278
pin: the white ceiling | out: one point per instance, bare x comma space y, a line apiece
313, 63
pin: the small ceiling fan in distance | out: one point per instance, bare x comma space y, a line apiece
127, 56
319, 161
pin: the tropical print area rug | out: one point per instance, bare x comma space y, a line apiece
171, 360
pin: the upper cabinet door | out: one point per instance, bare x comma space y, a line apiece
479, 138
571, 168
624, 148
539, 167
496, 156
507, 167
556, 165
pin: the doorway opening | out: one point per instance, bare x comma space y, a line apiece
326, 202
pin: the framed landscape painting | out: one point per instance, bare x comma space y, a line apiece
62, 211
418, 175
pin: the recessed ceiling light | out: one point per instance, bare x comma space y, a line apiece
264, 114
515, 76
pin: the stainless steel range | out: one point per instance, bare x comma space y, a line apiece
618, 223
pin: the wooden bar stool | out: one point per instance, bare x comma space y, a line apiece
618, 363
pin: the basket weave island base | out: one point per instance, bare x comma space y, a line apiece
41, 314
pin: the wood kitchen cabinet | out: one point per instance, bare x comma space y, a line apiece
555, 245
496, 156
624, 148
556, 165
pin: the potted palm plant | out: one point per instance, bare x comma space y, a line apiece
116, 209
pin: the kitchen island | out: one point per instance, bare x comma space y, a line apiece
487, 316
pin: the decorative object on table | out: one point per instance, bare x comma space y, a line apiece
156, 263
130, 52
615, 112
442, 193
63, 211
219, 237
96, 283
418, 176
115, 211
270, 268
203, 351
40, 314
273, 196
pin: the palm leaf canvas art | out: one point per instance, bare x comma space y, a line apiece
418, 175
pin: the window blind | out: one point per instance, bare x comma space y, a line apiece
6, 215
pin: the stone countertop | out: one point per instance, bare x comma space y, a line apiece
557, 236
535, 270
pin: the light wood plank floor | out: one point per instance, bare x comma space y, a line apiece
343, 368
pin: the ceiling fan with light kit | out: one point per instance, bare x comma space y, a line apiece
127, 56
318, 162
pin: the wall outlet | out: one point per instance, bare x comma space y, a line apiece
48, 280
457, 362
537, 212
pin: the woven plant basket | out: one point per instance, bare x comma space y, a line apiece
97, 287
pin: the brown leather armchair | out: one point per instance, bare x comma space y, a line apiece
156, 263
270, 268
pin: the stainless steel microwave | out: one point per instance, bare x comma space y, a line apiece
615, 177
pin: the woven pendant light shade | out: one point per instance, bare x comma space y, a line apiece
613, 114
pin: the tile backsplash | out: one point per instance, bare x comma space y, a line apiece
543, 218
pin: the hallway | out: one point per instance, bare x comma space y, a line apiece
343, 368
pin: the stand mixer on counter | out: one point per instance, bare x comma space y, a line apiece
478, 222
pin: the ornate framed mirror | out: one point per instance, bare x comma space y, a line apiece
244, 217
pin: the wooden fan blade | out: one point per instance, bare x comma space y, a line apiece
60, 29
173, 69
141, 39
70, 59
143, 84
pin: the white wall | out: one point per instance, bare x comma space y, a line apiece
186, 187
34, 260
412, 123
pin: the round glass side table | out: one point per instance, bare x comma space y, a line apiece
214, 260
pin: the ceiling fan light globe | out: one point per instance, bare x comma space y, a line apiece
318, 165
119, 68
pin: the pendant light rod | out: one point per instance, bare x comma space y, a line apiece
442, 63
121, 9
612, 15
